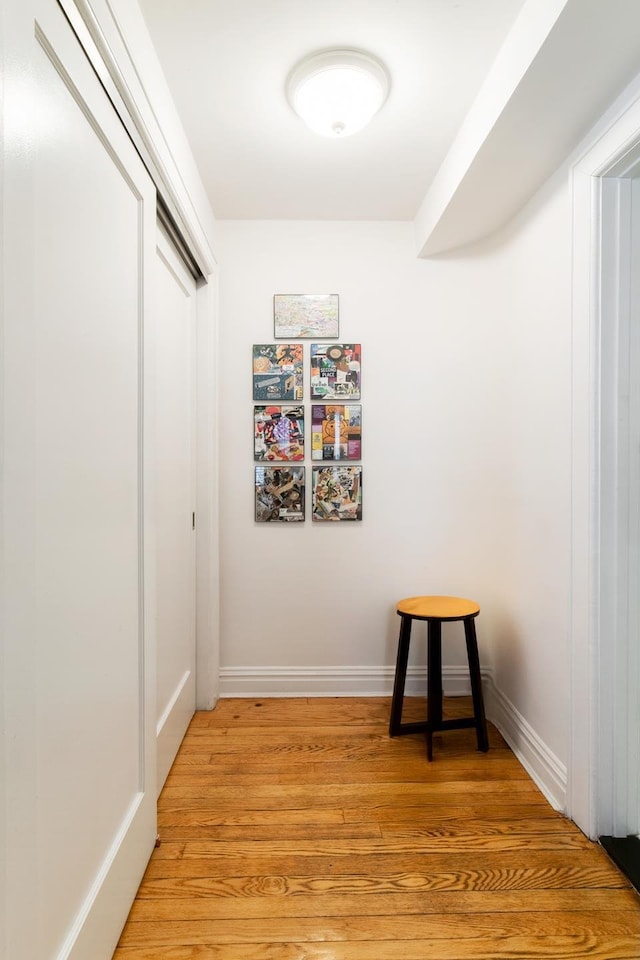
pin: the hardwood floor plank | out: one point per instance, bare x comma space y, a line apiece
432, 927
430, 814
455, 827
487, 809
271, 831
577, 947
229, 899
288, 771
264, 796
450, 843
488, 871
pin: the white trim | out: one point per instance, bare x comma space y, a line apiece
207, 499
542, 765
333, 681
172, 725
103, 39
596, 551
106, 891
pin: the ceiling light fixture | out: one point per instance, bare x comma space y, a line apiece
337, 92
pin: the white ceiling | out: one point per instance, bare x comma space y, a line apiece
226, 62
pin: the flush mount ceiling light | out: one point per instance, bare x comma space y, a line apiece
337, 92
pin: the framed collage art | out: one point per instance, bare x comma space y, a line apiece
277, 371
278, 432
336, 431
335, 371
336, 493
279, 494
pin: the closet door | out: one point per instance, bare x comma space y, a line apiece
78, 553
175, 321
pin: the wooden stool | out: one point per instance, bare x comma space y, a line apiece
436, 610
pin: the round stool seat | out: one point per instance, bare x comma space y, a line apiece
438, 608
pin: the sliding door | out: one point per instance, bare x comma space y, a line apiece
78, 544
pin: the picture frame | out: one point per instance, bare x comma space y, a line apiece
336, 370
278, 432
336, 431
298, 316
278, 371
336, 493
279, 494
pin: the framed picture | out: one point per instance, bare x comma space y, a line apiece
336, 431
277, 371
278, 432
337, 493
300, 315
335, 371
279, 494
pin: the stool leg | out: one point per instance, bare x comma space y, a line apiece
476, 684
434, 682
401, 676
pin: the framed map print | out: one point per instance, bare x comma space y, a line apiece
335, 371
305, 315
336, 431
279, 494
337, 493
278, 432
277, 371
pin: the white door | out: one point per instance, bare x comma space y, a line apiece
175, 322
78, 606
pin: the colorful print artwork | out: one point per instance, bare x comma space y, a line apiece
279, 494
307, 315
336, 431
337, 493
335, 371
278, 432
277, 371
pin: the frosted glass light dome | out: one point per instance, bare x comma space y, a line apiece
337, 92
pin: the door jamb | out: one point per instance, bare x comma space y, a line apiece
601, 778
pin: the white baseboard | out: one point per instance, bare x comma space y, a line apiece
333, 681
547, 772
544, 768
173, 724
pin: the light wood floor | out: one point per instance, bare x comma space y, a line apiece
297, 830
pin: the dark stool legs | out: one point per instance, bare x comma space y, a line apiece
476, 683
395, 722
434, 682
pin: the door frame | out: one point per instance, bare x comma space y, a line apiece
604, 759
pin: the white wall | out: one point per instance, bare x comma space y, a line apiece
465, 453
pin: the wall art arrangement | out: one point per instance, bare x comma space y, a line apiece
336, 422
305, 315
279, 494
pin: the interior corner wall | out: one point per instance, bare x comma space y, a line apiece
466, 383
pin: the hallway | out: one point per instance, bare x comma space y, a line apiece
297, 830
